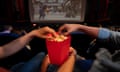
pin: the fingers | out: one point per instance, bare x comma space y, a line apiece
52, 31
72, 51
63, 30
54, 34
47, 30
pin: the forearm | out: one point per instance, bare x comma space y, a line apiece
68, 65
19, 43
93, 31
15, 45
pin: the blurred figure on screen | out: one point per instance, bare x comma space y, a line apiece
42, 11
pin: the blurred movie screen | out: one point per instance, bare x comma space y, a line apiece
57, 10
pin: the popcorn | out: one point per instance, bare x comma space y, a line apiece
60, 38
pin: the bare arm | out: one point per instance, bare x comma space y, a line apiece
68, 65
93, 31
18, 44
14, 46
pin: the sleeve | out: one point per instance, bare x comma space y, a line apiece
109, 38
103, 33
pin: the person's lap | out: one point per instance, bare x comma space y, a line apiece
82, 65
32, 65
35, 63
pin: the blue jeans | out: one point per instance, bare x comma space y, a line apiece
35, 63
83, 65
31, 66
80, 66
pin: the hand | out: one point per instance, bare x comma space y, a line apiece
67, 66
43, 32
68, 28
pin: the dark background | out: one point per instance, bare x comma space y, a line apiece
97, 12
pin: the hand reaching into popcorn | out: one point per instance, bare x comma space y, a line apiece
59, 38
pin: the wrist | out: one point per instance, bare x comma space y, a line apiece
31, 34
80, 27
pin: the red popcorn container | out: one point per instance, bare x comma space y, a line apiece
58, 51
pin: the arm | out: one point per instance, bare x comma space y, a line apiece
93, 31
110, 39
19, 43
67, 66
14, 46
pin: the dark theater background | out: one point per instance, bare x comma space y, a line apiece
99, 13
17, 11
